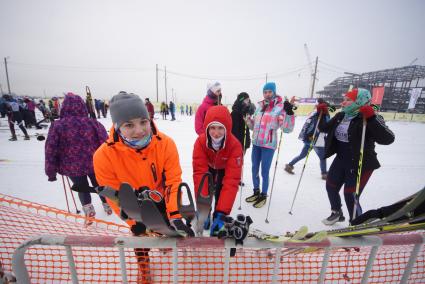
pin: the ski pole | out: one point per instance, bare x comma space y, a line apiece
359, 171
241, 182
313, 141
66, 195
72, 195
274, 175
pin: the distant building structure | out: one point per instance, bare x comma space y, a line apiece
397, 85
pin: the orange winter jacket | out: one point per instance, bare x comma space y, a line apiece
229, 158
157, 166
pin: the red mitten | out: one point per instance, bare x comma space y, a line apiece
322, 108
367, 111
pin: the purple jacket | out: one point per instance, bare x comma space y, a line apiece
208, 102
72, 140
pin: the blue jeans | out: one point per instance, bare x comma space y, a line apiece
264, 156
85, 197
320, 151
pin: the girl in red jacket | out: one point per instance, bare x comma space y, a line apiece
218, 152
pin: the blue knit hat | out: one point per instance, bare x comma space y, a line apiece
270, 86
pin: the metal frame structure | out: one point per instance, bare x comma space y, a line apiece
375, 242
397, 82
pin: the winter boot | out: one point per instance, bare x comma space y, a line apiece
253, 197
13, 138
336, 216
324, 176
289, 169
89, 212
261, 200
107, 208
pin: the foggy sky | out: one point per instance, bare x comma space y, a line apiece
60, 46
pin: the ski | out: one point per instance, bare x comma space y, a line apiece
298, 235
399, 226
144, 211
203, 204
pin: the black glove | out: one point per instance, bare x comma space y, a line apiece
368, 215
287, 106
83, 188
181, 227
138, 229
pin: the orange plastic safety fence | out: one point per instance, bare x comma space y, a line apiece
21, 219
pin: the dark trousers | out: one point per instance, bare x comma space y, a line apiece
218, 176
341, 173
13, 117
85, 197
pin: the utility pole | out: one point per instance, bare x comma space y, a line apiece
156, 82
314, 77
166, 98
7, 74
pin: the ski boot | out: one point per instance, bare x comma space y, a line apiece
253, 197
13, 138
324, 176
26, 137
90, 213
289, 169
336, 216
261, 200
107, 208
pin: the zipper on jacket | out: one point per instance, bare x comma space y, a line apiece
256, 140
153, 169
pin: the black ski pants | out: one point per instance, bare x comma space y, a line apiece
341, 173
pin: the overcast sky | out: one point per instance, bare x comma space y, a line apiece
59, 46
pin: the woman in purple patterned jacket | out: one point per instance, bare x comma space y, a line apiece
70, 145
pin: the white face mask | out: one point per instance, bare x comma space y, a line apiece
216, 142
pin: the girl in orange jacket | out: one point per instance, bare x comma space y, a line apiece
218, 152
138, 154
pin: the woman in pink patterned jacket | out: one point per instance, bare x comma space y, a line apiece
271, 114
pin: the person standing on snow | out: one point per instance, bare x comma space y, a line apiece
172, 111
135, 143
217, 151
241, 108
14, 114
271, 114
70, 145
150, 108
212, 98
344, 135
306, 135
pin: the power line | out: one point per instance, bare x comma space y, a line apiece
81, 68
334, 66
237, 78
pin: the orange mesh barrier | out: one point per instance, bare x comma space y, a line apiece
20, 220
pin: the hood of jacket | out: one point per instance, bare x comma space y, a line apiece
73, 105
220, 114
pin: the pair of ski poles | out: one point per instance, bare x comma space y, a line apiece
72, 195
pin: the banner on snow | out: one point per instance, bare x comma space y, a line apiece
377, 95
414, 95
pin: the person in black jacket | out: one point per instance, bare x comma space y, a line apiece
240, 109
344, 135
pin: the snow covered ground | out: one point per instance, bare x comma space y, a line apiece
402, 173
